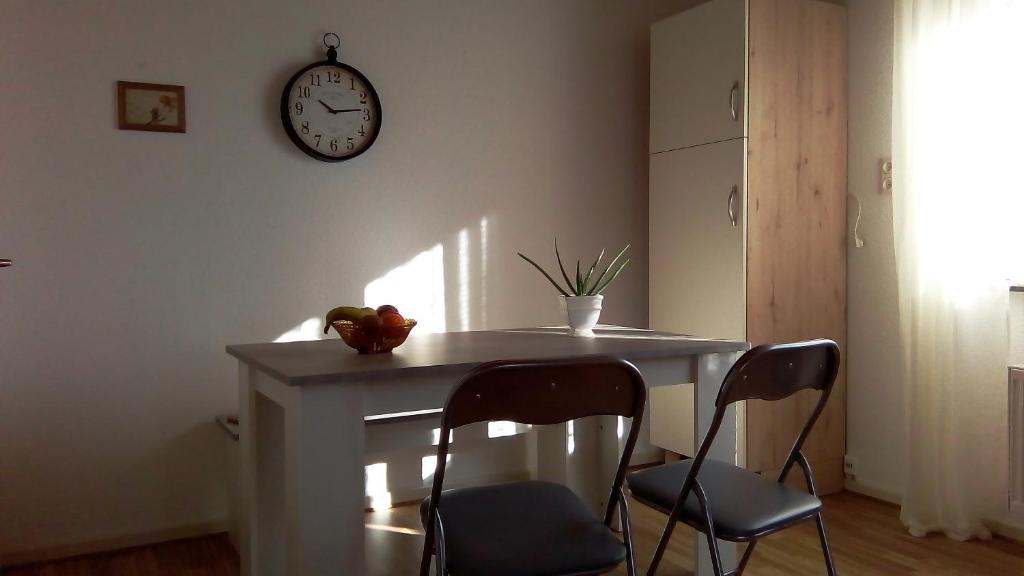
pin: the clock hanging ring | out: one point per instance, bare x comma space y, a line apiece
329, 109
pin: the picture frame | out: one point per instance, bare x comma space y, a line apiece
150, 107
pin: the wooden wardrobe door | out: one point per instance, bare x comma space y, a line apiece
696, 255
796, 251
698, 60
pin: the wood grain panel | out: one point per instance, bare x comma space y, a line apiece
796, 249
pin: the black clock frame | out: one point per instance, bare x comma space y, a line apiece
332, 60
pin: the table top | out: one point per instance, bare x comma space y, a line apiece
319, 361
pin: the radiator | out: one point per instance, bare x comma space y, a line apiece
1017, 444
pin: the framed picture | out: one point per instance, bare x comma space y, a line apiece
151, 107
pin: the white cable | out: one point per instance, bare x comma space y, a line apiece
856, 225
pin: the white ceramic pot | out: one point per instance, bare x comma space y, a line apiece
582, 313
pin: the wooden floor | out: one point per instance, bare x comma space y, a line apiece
867, 540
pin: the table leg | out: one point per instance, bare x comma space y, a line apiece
261, 474
711, 370
549, 460
246, 475
324, 480
577, 459
302, 477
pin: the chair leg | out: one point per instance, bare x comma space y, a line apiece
716, 557
627, 534
439, 548
427, 554
820, 521
746, 557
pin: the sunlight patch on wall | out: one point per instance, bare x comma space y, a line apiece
570, 437
483, 274
435, 436
501, 428
416, 288
429, 465
311, 329
463, 279
377, 486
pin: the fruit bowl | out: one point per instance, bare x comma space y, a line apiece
383, 339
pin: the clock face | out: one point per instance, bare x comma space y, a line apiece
331, 111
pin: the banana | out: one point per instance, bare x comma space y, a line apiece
350, 313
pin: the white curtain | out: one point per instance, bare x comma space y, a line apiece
958, 203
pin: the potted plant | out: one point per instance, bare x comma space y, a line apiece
581, 300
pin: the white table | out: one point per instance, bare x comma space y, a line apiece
302, 410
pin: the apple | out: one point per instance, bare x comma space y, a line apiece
370, 324
394, 325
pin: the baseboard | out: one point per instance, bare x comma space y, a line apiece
11, 558
1007, 528
872, 491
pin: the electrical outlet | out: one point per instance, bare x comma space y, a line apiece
850, 467
885, 175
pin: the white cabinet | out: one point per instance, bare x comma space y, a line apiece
696, 233
698, 76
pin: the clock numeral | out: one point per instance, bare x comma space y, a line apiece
334, 145
303, 91
366, 114
351, 83
362, 97
314, 80
334, 77
362, 130
350, 144
305, 127
317, 138
298, 108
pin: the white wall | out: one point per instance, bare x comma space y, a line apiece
139, 256
875, 420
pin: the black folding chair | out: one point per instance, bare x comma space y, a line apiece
532, 527
728, 502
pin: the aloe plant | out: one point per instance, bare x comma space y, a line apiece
585, 284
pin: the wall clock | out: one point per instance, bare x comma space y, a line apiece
329, 109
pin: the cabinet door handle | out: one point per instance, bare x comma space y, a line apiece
733, 107
732, 209
4, 262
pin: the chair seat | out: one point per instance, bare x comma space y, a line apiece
743, 504
523, 528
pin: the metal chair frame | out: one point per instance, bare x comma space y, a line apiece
541, 392
745, 382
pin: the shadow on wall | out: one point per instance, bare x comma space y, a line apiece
442, 289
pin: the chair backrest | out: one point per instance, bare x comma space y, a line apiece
545, 392
774, 372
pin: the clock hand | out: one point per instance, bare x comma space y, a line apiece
348, 110
329, 109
